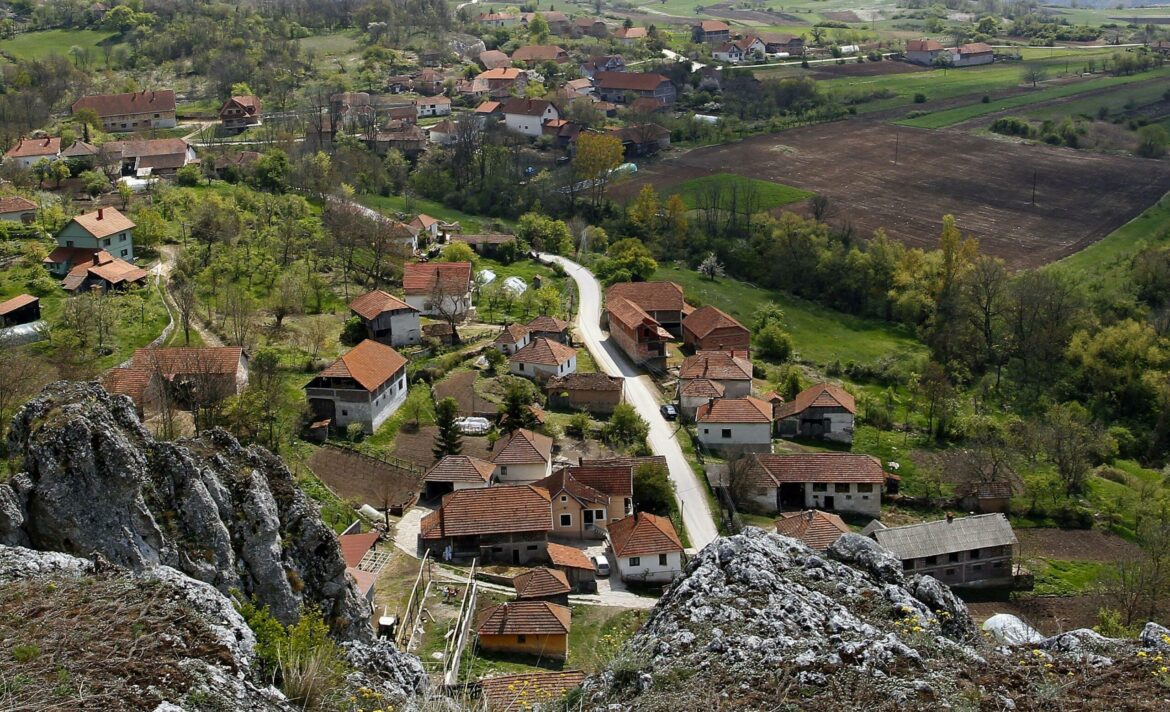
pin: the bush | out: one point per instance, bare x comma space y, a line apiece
919, 98
986, 99
653, 490
774, 343
353, 332
1152, 141
188, 176
579, 425
1013, 126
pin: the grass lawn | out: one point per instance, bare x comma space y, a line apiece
1115, 101
412, 206
1067, 578
768, 195
942, 119
333, 44
517, 308
820, 334
37, 45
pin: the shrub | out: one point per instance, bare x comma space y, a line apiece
986, 99
188, 176
653, 490
579, 424
919, 98
25, 653
353, 331
1152, 141
774, 342
1013, 126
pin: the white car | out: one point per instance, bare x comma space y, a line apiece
601, 564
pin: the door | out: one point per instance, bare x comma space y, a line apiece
516, 555
829, 504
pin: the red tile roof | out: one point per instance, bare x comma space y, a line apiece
561, 482
713, 26
923, 46
568, 557
16, 204
538, 53
632, 316
633, 462
544, 352
703, 388
493, 58
192, 360
493, 510
822, 395
371, 304
365, 580
250, 105
523, 447
615, 480
117, 271
512, 693
355, 546
630, 33
127, 104
704, 320
17, 302
488, 107
642, 533
541, 583
103, 222
717, 366
630, 81
747, 409
500, 74
650, 296
422, 278
526, 107
827, 467
585, 382
549, 324
461, 468
815, 528
976, 48
512, 334
524, 618
128, 382
369, 363
31, 147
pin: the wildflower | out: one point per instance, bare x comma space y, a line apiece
1141, 654
1036, 653
1163, 669
1048, 666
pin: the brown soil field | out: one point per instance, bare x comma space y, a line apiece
843, 16
1048, 614
771, 18
986, 183
1074, 545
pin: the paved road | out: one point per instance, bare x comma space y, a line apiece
643, 395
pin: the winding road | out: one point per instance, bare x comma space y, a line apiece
643, 395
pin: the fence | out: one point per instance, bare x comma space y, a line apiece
397, 463
456, 643
410, 618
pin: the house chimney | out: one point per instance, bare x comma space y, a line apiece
808, 516
950, 517
101, 213
96, 259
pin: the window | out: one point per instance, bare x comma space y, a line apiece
520, 367
997, 565
125, 253
635, 561
840, 487
908, 565
952, 557
497, 549
69, 243
977, 567
566, 520
503, 470
820, 487
950, 572
662, 559
521, 639
344, 411
531, 547
726, 433
564, 498
974, 554
705, 431
122, 237
931, 560
865, 487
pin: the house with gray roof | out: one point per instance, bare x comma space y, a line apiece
970, 552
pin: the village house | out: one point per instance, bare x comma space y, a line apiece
551, 328
697, 392
513, 338
603, 63
135, 111
541, 584
642, 139
736, 424
14, 208
151, 157
410, 140
354, 548
21, 309
437, 105
438, 288
585, 500
387, 318
923, 51
985, 497
970, 55
365, 386
731, 370
816, 529
595, 393
429, 81
711, 329
457, 472
523, 457
638, 334
964, 552
498, 19
646, 548
510, 693
541, 359
234, 166
399, 84
742, 50
558, 22
103, 229
591, 26
28, 151
710, 32
536, 628
425, 223
532, 55
616, 86
443, 133
630, 36
493, 59
81, 156
506, 524
575, 565
190, 375
663, 301
239, 113
775, 43
823, 411
101, 270
501, 81
830, 481
528, 116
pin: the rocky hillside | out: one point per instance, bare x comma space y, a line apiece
761, 622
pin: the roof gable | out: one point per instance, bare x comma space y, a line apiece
491, 510
704, 320
827, 467
370, 363
127, 104
372, 304
717, 366
541, 583
642, 533
815, 528
422, 278
524, 447
461, 468
747, 409
822, 395
524, 618
544, 352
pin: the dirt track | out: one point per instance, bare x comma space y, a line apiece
986, 183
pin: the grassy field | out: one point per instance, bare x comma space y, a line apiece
1104, 265
1067, 578
412, 206
821, 335
942, 119
1135, 95
768, 194
37, 45
333, 44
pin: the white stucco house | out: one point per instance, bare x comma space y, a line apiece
731, 370
523, 457
438, 288
432, 106
527, 116
366, 385
28, 151
646, 548
735, 423
387, 318
542, 359
829, 481
513, 338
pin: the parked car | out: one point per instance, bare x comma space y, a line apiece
669, 412
601, 564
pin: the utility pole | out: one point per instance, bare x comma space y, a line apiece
1033, 188
897, 140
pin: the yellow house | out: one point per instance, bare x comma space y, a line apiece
531, 627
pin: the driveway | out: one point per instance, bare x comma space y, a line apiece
643, 395
407, 529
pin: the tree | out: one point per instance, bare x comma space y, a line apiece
1070, 440
242, 89
125, 192
1152, 141
653, 490
538, 29
42, 169
774, 342
544, 234
23, 376
818, 206
286, 299
625, 426
240, 315
188, 176
934, 386
1033, 74
597, 156
515, 410
579, 424
448, 439
710, 267
59, 171
185, 300
626, 260
457, 252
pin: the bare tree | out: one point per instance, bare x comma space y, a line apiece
448, 304
185, 301
239, 315
23, 376
286, 299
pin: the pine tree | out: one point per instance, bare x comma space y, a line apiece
448, 441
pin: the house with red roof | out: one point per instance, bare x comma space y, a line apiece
585, 500
524, 457
923, 51
596, 393
575, 565
366, 385
14, 208
829, 481
710, 31
630, 35
240, 112
133, 111
438, 288
354, 548
509, 524
458, 472
972, 54
387, 318
823, 411
816, 529
616, 86
512, 693
711, 329
537, 628
743, 424
191, 375
542, 584
662, 301
646, 548
639, 335
730, 370
28, 151
541, 359
513, 338
741, 50
437, 105
528, 116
